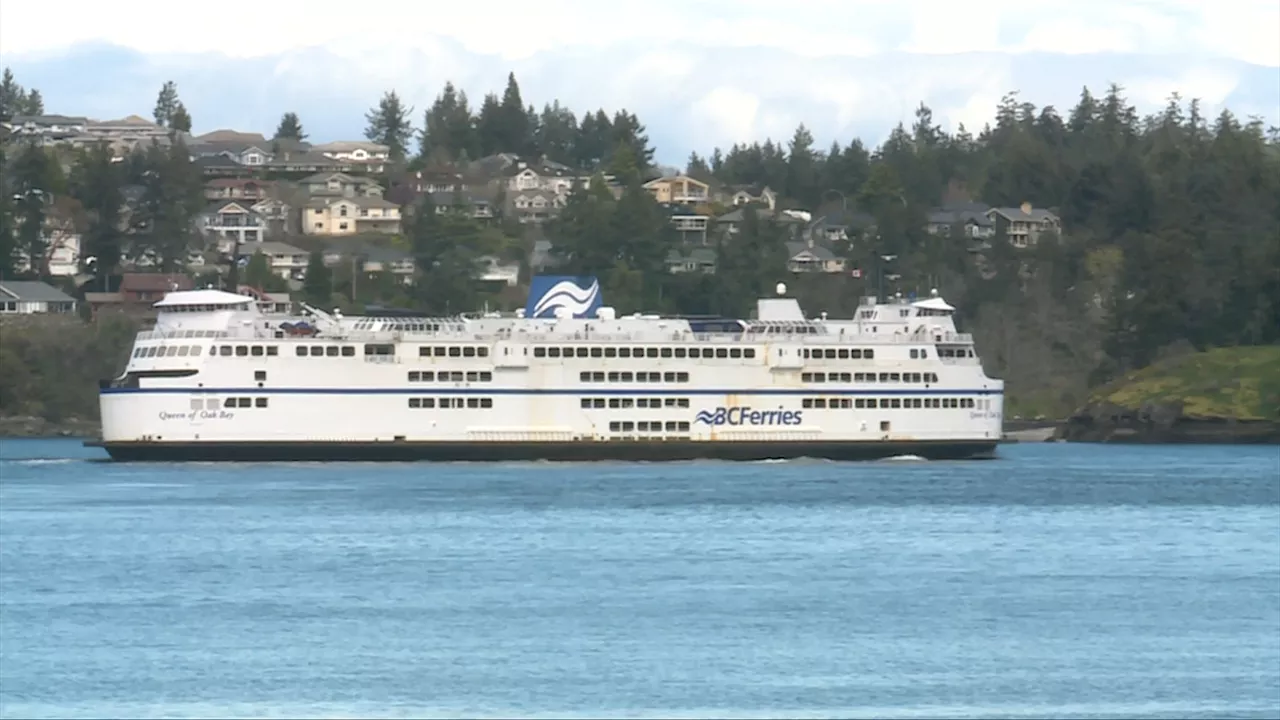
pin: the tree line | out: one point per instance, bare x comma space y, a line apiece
1170, 221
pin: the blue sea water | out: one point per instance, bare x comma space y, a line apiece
1058, 581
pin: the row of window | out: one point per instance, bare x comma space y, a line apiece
450, 376
235, 402
473, 403
628, 376
325, 351
650, 403
839, 354
838, 377
885, 403
955, 352
652, 352
453, 351
649, 426
167, 351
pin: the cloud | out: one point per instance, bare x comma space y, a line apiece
697, 74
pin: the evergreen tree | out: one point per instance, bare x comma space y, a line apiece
34, 104
388, 124
13, 98
290, 128
180, 121
317, 286
166, 104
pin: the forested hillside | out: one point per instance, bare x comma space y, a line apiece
1170, 240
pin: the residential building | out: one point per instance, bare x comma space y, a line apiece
691, 225
731, 222
229, 222
238, 189
679, 189
20, 297
838, 226
1024, 225
367, 156
740, 195
494, 269
534, 206
472, 205
300, 161
339, 184
343, 215
133, 129
969, 219
284, 260
804, 257
138, 292
47, 129
698, 259
250, 150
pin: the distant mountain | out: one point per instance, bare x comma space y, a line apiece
691, 98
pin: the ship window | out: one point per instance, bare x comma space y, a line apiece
256, 351
806, 403
424, 351
183, 351
301, 350
884, 403
260, 375
245, 402
897, 404
331, 351
437, 352
613, 377
722, 353
895, 377
473, 402
858, 403
627, 426
651, 352
242, 350
348, 351
468, 352
884, 377
486, 403
553, 352
585, 403
415, 402
598, 402
317, 351
580, 352
414, 375
856, 354
917, 377
624, 352
842, 354
665, 352
669, 377
868, 354
682, 377
695, 352
482, 352
680, 352
539, 352
610, 352
844, 377
923, 353
473, 376
684, 426
915, 354
260, 402
272, 351
615, 426
735, 353
381, 349
597, 352
486, 376
584, 377
615, 403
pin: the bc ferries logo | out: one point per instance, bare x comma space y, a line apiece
579, 295
748, 416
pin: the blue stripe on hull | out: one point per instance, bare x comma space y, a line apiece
428, 389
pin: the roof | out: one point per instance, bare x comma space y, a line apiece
349, 145
324, 201
230, 136
49, 120
933, 303
155, 282
202, 297
1018, 214
31, 291
817, 251
277, 248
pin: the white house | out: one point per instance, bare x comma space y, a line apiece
18, 297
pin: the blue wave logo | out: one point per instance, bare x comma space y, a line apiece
580, 296
747, 415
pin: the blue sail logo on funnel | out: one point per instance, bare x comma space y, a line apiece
579, 295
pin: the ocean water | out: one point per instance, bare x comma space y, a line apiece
1058, 581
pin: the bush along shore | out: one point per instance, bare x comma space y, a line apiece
1226, 395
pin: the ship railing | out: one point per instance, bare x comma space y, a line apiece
178, 334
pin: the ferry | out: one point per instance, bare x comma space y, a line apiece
222, 377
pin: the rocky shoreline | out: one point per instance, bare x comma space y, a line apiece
1163, 423
27, 426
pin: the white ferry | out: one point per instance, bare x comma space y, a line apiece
221, 378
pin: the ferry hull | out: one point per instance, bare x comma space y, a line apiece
546, 451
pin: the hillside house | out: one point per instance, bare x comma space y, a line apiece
20, 297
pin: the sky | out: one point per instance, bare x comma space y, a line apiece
698, 73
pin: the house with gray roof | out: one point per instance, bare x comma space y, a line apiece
809, 257
1024, 225
25, 297
970, 219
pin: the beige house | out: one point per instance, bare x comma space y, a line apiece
740, 195
342, 215
369, 156
679, 189
1024, 225
339, 184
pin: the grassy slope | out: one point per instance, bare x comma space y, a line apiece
1241, 383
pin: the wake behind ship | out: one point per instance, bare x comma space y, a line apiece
564, 379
